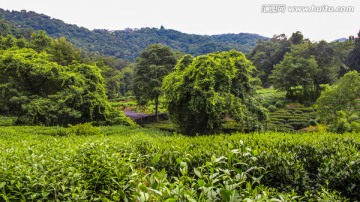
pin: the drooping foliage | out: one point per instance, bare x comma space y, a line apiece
40, 91
202, 91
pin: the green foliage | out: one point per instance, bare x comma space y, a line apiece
331, 58
296, 38
270, 96
267, 54
7, 121
312, 122
339, 106
127, 44
153, 64
10, 29
353, 59
272, 108
39, 91
279, 104
296, 74
84, 129
116, 72
125, 82
132, 164
291, 120
307, 68
203, 90
63, 52
162, 125
39, 41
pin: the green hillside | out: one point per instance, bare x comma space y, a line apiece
126, 44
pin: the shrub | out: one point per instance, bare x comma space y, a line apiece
355, 126
267, 104
354, 117
312, 122
272, 108
84, 129
279, 104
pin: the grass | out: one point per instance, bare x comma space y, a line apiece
7, 121
270, 96
162, 125
136, 164
130, 103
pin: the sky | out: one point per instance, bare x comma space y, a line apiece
205, 17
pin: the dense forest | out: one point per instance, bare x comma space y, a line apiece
127, 44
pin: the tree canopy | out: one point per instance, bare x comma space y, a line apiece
267, 54
332, 58
339, 106
38, 90
296, 73
202, 91
353, 59
305, 69
153, 64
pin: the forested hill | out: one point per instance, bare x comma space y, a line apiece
126, 44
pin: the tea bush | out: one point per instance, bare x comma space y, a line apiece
83, 129
290, 120
122, 163
272, 108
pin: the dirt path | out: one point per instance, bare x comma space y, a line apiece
135, 115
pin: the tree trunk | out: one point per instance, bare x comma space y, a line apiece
157, 109
317, 91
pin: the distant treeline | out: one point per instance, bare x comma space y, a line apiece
302, 67
127, 44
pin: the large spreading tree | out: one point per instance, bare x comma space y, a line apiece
39, 91
155, 62
306, 68
296, 73
202, 91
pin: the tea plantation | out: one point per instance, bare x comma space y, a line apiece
83, 163
291, 120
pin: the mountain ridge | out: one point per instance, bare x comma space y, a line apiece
128, 43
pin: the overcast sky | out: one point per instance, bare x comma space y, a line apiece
201, 16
